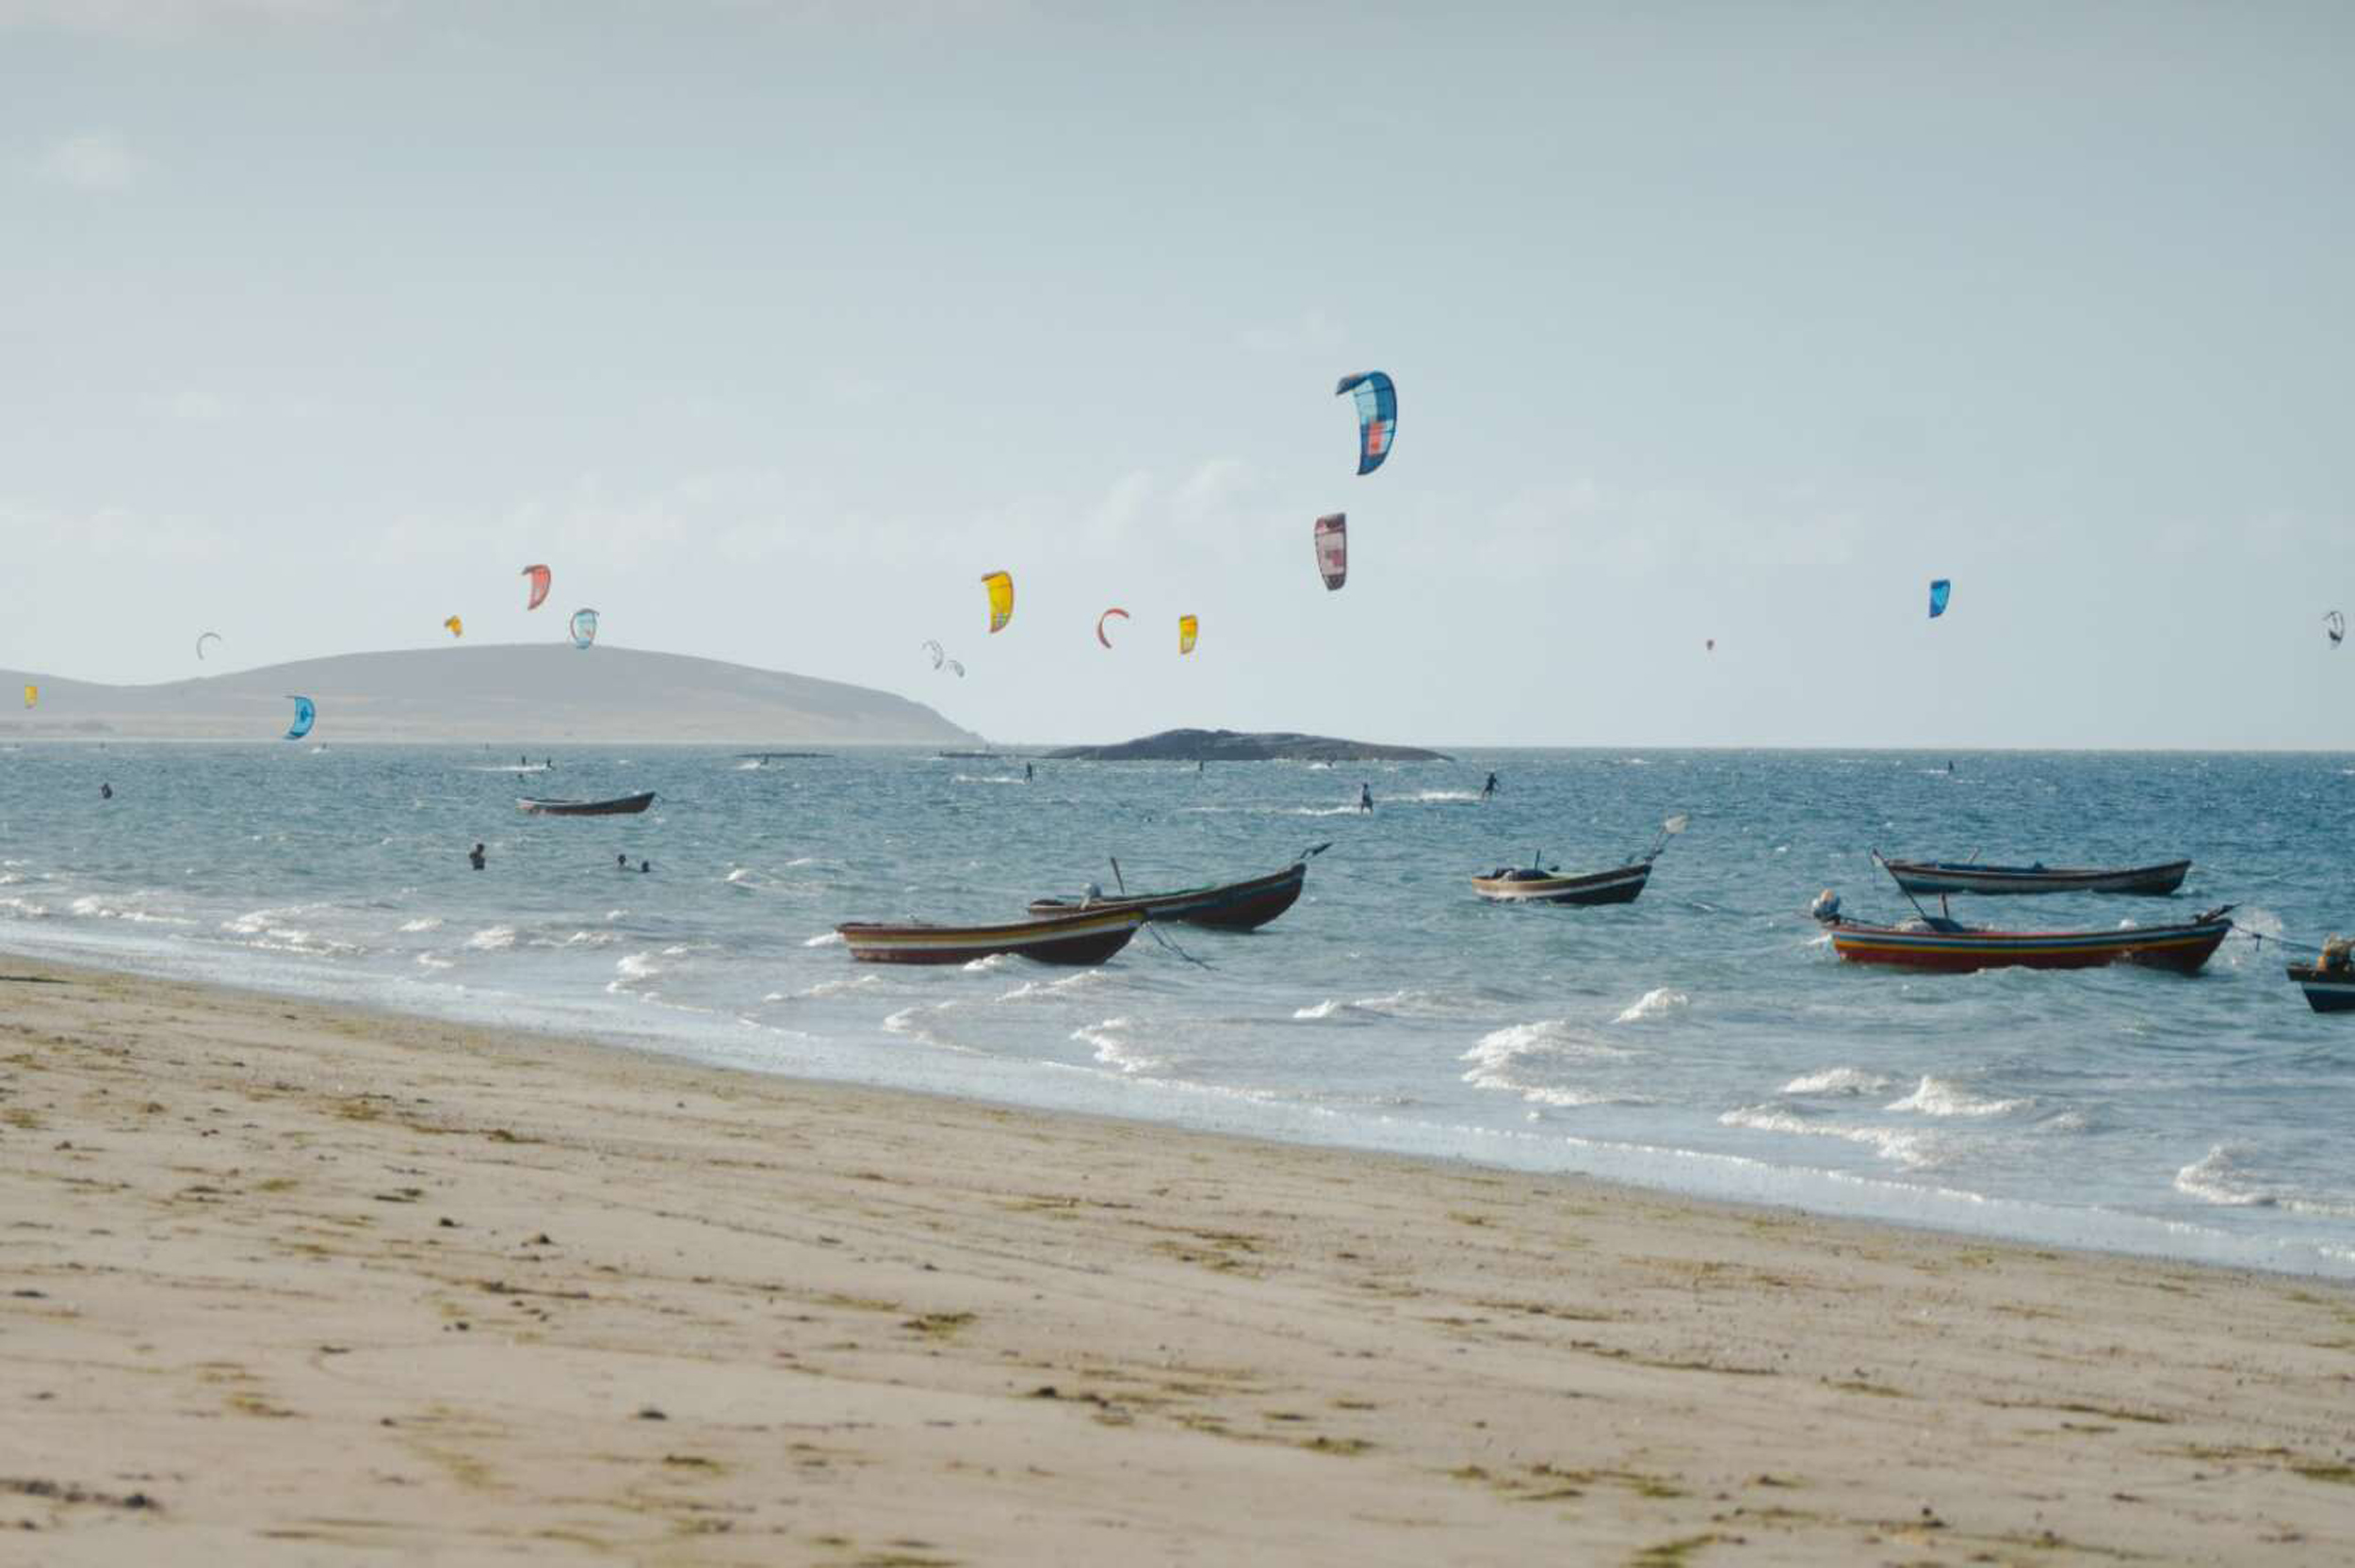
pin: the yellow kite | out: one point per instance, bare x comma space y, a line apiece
32, 695
1187, 626
456, 627
1001, 586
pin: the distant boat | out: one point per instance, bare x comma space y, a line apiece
624, 805
1531, 886
1090, 936
1952, 876
1229, 906
1951, 947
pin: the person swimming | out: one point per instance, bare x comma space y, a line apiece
1365, 796
621, 863
475, 858
645, 865
105, 792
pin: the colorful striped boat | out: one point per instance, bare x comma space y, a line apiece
1952, 947
1088, 937
1962, 876
2327, 990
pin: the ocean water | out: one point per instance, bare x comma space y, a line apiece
1703, 1038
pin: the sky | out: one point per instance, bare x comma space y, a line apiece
772, 325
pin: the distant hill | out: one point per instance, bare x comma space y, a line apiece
1238, 746
518, 694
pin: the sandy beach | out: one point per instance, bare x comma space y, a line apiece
285, 1282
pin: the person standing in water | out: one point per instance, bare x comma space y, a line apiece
1028, 774
1365, 796
1488, 791
475, 858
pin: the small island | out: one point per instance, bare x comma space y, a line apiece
1240, 745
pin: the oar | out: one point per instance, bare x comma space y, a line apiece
1307, 855
1668, 829
1116, 881
1901, 886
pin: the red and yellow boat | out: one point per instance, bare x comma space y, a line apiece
1949, 946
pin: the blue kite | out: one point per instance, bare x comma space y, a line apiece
306, 713
1377, 416
1940, 589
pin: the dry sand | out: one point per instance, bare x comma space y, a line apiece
284, 1283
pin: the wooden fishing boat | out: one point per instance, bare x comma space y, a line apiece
625, 805
1090, 936
1950, 946
2327, 990
1229, 906
1962, 876
1538, 883
1530, 885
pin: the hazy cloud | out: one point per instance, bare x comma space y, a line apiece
156, 19
94, 160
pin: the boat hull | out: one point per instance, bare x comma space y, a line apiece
1233, 907
627, 805
1618, 886
2327, 991
1074, 939
1940, 876
2182, 948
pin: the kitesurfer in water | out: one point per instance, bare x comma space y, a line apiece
1488, 791
475, 858
1365, 796
645, 865
1029, 774
621, 863
105, 792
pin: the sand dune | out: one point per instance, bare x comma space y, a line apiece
516, 693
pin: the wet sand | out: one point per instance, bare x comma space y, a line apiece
287, 1283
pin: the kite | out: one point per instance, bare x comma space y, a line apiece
1377, 416
1107, 616
1940, 589
200, 641
1001, 586
584, 627
2334, 625
939, 654
1710, 645
306, 713
1187, 626
1332, 537
541, 576
959, 669
456, 627
32, 695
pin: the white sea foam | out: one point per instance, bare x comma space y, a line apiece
1442, 795
831, 988
423, 923
1660, 1002
427, 961
823, 939
1115, 1051
988, 965
1550, 1036
2226, 1175
23, 908
1326, 1009
1049, 991
491, 939
1837, 1080
988, 778
631, 971
1906, 1146
1529, 1060
1936, 1097
739, 874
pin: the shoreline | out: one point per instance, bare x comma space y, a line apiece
296, 1281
